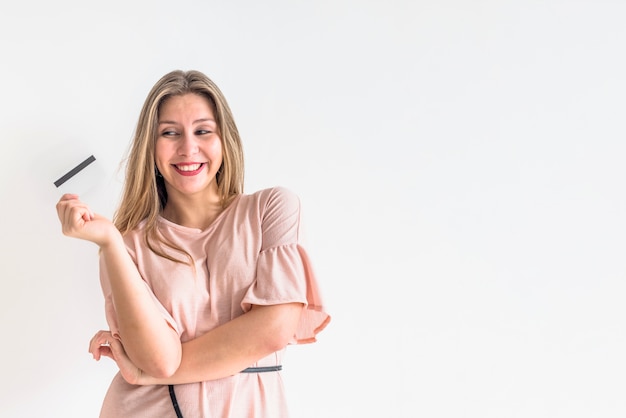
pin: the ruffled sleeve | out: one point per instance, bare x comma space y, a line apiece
109, 307
284, 273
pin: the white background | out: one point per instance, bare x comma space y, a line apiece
460, 164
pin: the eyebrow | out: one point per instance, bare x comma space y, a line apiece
171, 122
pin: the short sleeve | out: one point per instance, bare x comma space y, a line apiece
109, 307
284, 273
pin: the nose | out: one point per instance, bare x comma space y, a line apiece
188, 144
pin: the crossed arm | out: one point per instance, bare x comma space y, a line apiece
148, 350
222, 352
149, 343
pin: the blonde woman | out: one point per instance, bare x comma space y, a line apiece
204, 285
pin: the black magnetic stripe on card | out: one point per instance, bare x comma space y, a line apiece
80, 167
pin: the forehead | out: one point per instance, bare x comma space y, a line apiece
186, 105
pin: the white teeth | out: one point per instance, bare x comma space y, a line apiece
190, 167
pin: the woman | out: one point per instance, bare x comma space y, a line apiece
204, 285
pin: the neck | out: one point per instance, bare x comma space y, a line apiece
192, 211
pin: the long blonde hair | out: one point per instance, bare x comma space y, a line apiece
144, 194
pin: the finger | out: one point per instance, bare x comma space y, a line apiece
75, 206
66, 206
73, 215
102, 337
114, 350
99, 340
69, 200
68, 196
65, 200
96, 351
106, 352
86, 213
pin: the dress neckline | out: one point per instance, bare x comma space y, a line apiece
211, 226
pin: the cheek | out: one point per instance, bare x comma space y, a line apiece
162, 154
215, 150
158, 154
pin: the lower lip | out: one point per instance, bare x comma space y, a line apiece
189, 173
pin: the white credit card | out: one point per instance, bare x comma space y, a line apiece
71, 168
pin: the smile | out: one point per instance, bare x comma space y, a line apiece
189, 169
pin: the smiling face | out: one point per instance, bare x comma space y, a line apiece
188, 150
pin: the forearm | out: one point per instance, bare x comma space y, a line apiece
234, 346
148, 339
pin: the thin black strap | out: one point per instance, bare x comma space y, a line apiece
262, 369
248, 370
175, 402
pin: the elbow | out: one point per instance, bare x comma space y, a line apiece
274, 338
278, 342
163, 365
162, 369
157, 355
281, 336
280, 326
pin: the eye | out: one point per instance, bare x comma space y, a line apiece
203, 132
169, 133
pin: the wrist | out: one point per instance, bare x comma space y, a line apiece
144, 379
113, 240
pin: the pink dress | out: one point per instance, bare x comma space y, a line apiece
249, 255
